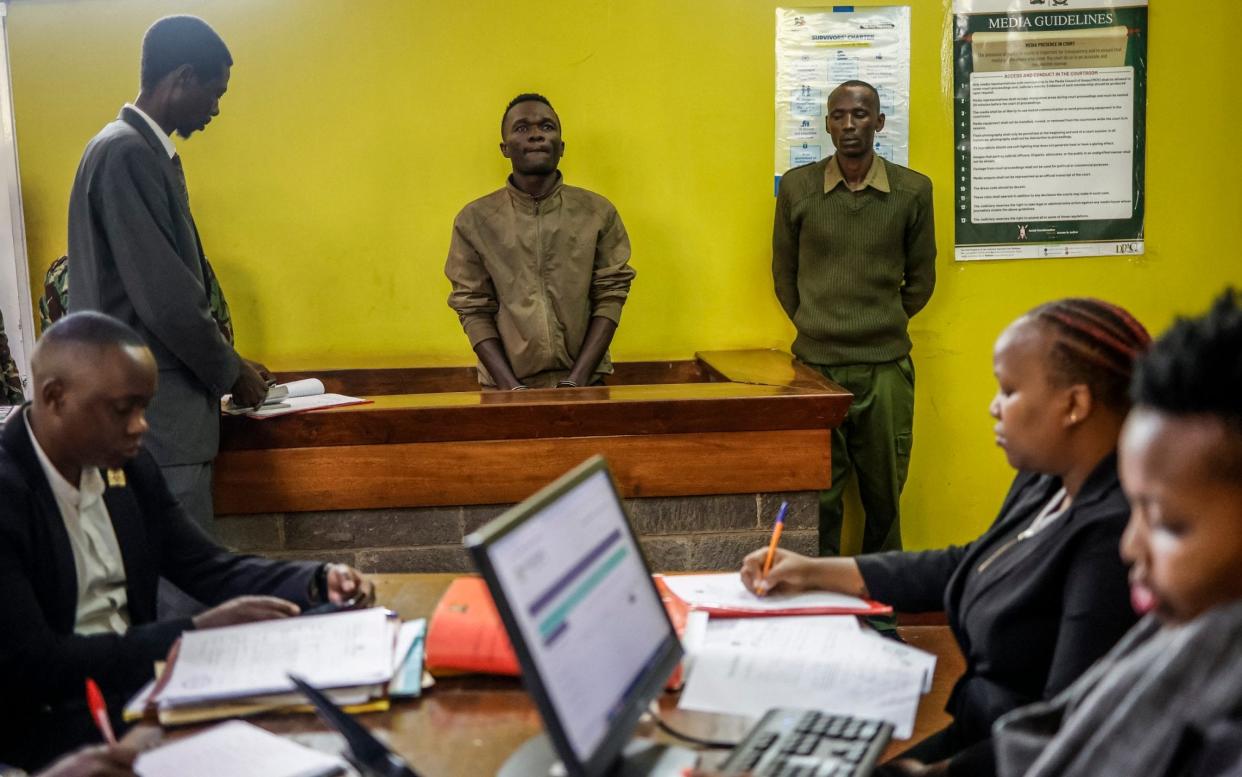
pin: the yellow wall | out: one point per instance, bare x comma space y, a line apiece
353, 132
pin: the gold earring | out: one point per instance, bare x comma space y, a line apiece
1073, 418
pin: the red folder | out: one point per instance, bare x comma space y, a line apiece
465, 633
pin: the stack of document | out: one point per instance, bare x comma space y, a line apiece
294, 397
357, 657
744, 666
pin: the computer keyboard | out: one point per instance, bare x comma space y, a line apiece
804, 743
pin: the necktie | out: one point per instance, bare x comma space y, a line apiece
185, 192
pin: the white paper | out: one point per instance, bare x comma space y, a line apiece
307, 387
800, 633
726, 590
852, 678
299, 404
744, 666
237, 749
817, 49
695, 633
904, 655
328, 651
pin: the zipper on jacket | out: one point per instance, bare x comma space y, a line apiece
999, 552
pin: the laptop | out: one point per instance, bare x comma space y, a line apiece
591, 634
369, 755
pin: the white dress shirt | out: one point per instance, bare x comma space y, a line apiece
157, 129
103, 605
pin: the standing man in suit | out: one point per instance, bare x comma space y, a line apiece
135, 253
87, 526
853, 260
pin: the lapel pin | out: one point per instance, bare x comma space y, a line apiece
116, 478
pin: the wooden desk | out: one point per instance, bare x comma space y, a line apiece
468, 726
703, 450
727, 422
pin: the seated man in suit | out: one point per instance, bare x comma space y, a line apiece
87, 527
1167, 701
540, 270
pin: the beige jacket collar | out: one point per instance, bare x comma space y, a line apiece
529, 204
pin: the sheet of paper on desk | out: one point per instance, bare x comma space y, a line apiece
802, 633
726, 590
276, 394
331, 651
847, 673
302, 404
237, 749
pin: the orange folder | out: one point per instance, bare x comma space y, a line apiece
465, 633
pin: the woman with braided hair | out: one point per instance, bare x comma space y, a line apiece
1042, 594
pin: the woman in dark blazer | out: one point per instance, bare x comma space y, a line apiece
1043, 593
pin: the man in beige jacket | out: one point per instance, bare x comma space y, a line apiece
540, 270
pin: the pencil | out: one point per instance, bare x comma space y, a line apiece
777, 527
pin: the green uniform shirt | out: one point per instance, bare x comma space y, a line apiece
851, 267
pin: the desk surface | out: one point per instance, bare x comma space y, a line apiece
470, 725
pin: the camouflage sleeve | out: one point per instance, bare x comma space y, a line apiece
10, 382
55, 299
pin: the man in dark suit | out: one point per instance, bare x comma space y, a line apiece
87, 526
135, 253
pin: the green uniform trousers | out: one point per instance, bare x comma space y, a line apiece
873, 441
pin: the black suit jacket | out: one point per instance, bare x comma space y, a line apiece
1042, 611
43, 664
134, 253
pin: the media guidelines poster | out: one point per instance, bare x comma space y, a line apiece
818, 48
1049, 123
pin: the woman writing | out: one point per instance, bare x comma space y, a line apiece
1042, 594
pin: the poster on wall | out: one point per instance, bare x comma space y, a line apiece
817, 49
1050, 127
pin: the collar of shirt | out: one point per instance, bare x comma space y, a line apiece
876, 178
165, 141
527, 202
90, 485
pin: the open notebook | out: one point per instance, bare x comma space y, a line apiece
294, 397
240, 670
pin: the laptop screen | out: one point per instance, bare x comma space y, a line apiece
573, 581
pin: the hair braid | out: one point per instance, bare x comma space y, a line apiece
1095, 343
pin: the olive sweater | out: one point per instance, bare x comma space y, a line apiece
852, 267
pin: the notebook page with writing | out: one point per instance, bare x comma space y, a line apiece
852, 677
726, 591
331, 651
